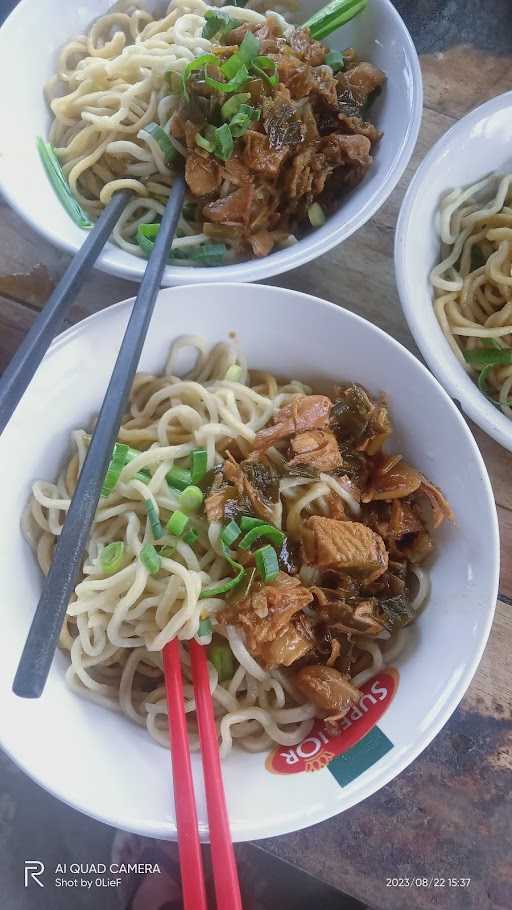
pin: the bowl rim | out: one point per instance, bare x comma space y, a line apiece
446, 369
305, 250
167, 830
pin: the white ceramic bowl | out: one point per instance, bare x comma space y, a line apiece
103, 764
378, 34
479, 143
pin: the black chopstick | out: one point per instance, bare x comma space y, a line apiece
31, 351
44, 632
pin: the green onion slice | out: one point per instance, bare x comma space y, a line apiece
333, 16
267, 69
483, 357
334, 59
179, 478
247, 522
274, 535
230, 533
232, 85
207, 254
230, 583
246, 54
144, 474
199, 465
150, 559
203, 143
217, 23
266, 563
240, 123
177, 523
232, 105
223, 142
55, 173
202, 61
191, 536
316, 214
191, 498
111, 558
162, 139
154, 521
221, 656
204, 628
117, 463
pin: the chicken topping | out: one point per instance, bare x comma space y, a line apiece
317, 448
392, 480
348, 546
306, 412
292, 643
202, 175
327, 689
267, 611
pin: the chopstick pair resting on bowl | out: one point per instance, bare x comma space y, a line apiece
58, 586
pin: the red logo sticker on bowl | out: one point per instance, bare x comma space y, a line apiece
348, 747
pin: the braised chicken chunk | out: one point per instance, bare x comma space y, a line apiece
348, 546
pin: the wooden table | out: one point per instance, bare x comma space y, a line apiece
449, 814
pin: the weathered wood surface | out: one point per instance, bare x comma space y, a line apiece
449, 813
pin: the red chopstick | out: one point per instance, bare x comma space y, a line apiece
191, 863
227, 887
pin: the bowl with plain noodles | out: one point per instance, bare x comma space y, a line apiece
379, 37
466, 174
101, 762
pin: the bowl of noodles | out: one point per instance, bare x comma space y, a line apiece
285, 505
453, 256
290, 142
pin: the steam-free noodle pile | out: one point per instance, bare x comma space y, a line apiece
349, 619
473, 282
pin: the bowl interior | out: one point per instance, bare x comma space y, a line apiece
378, 34
477, 145
103, 764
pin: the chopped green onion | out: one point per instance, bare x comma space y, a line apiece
240, 123
117, 463
217, 22
267, 69
179, 478
482, 379
233, 373
154, 521
191, 537
240, 3
203, 143
57, 179
199, 465
223, 142
162, 139
150, 559
230, 533
266, 563
232, 105
191, 498
202, 61
247, 52
177, 523
221, 657
333, 16
230, 583
316, 214
206, 254
335, 60
247, 522
111, 558
275, 536
483, 357
144, 474
232, 85
204, 628
167, 552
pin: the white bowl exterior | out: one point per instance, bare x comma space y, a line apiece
475, 146
378, 34
103, 764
